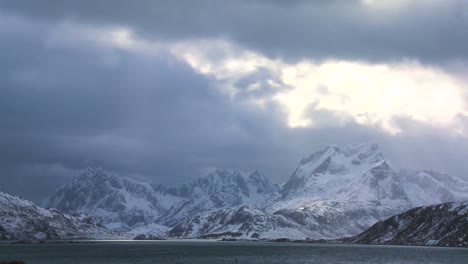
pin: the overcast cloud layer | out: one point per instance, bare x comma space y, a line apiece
164, 92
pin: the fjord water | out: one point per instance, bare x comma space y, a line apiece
208, 252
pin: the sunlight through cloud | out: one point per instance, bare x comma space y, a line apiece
369, 94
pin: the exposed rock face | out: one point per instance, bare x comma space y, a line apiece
21, 219
436, 225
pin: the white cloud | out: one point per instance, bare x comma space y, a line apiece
398, 4
372, 94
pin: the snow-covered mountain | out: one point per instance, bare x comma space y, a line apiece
335, 192
127, 205
122, 204
437, 225
340, 192
21, 219
221, 189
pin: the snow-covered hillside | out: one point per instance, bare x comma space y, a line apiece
335, 192
242, 222
437, 225
21, 219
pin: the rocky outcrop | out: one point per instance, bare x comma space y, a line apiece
436, 225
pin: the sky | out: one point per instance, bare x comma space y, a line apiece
166, 91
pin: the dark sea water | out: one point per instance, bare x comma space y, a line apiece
206, 252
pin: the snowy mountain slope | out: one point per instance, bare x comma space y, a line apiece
121, 203
221, 189
437, 225
333, 219
21, 219
241, 222
431, 187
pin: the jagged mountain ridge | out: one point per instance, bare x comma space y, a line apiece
436, 225
221, 189
21, 219
125, 204
335, 192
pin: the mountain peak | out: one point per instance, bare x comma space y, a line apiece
335, 166
369, 152
358, 153
224, 181
257, 175
108, 196
262, 184
91, 173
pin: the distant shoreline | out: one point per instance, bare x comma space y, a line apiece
282, 240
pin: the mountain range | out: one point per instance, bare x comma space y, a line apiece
335, 192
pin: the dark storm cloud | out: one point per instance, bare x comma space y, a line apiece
293, 30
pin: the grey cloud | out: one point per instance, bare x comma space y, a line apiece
256, 85
293, 30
